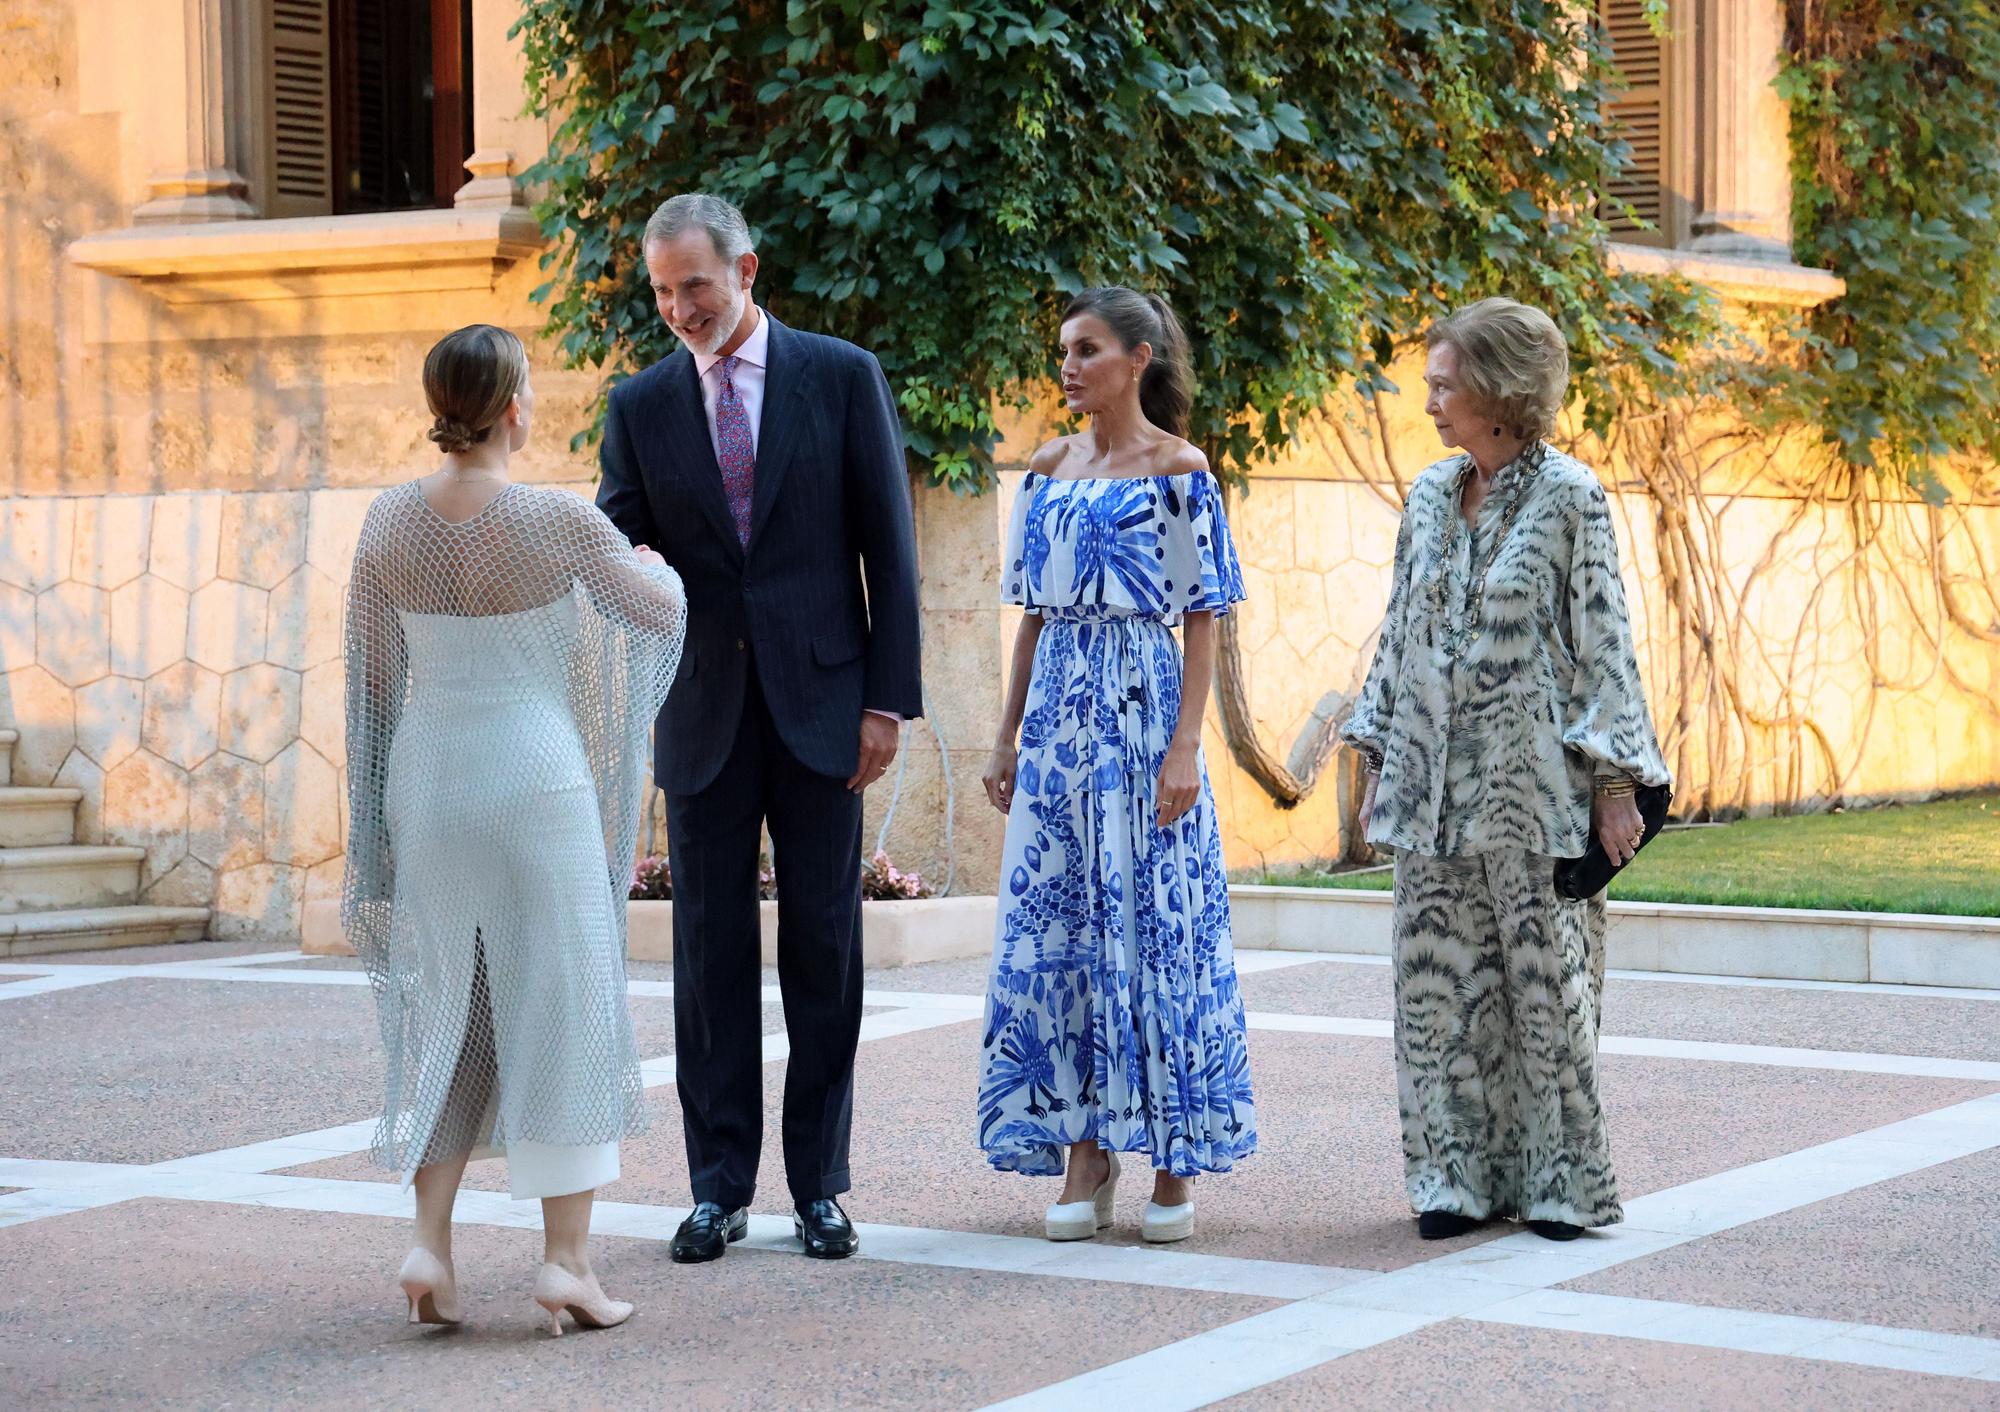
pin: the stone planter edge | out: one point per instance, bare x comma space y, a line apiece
1775, 943
904, 933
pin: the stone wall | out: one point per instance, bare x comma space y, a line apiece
177, 658
175, 654
1315, 553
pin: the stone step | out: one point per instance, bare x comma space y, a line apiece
96, 928
7, 739
68, 876
30, 818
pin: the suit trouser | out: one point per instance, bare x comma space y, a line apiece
712, 839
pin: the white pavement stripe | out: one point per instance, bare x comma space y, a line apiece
1904, 992
255, 958
70, 1185
1786, 1057
19, 1207
304, 1148
1249, 962
1224, 1362
1255, 963
1919, 992
43, 984
914, 999
270, 1156
39, 1171
1285, 1023
1705, 1051
271, 976
936, 1004
1752, 1331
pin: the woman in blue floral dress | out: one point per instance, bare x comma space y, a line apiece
1113, 1022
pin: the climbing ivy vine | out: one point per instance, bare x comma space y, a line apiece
1310, 182
1896, 187
1307, 181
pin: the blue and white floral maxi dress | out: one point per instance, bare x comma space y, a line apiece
1112, 1011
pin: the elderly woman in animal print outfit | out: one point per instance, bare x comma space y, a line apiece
1503, 724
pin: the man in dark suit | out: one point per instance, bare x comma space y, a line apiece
766, 465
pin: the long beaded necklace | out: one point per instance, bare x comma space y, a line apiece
1465, 626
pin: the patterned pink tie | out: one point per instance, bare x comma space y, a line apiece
732, 451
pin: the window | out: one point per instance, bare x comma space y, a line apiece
369, 105
1642, 116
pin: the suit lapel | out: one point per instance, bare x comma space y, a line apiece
786, 383
691, 450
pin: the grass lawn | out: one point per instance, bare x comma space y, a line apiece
1941, 857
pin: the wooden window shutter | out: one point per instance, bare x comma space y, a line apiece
1639, 116
300, 107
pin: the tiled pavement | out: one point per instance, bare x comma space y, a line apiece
1809, 1174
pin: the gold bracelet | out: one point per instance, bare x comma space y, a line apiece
1617, 787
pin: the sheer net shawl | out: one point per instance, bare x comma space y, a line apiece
502, 674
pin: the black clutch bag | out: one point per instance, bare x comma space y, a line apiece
1587, 876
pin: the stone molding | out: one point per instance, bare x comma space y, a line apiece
208, 183
395, 253
1736, 280
493, 185
1743, 181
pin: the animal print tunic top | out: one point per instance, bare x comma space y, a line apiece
1505, 678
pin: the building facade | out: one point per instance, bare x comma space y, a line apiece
232, 228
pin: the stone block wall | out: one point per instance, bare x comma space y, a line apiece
1316, 553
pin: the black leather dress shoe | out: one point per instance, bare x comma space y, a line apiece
1555, 1230
1443, 1225
824, 1229
707, 1232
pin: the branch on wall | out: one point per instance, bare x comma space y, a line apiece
1232, 699
1239, 728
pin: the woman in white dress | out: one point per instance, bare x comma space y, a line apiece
506, 652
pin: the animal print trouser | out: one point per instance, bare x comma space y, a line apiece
1498, 983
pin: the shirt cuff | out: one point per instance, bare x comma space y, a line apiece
895, 716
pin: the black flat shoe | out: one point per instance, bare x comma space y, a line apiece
1443, 1225
708, 1231
823, 1228
1555, 1230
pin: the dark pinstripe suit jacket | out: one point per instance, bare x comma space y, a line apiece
824, 600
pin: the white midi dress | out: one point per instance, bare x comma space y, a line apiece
502, 674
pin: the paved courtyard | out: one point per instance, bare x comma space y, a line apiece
186, 1219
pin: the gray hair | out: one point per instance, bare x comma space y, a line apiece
727, 230
1512, 358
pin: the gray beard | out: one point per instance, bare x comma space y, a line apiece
723, 332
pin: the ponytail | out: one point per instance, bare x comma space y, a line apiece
1166, 390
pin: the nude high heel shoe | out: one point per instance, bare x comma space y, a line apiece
428, 1285
556, 1289
1080, 1220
